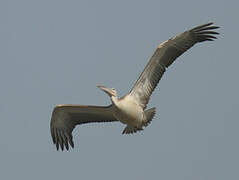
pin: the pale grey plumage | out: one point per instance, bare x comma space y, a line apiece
130, 109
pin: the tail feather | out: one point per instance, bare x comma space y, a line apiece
149, 115
131, 129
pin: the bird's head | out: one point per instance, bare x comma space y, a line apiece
110, 91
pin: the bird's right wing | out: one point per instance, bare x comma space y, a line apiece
66, 117
164, 56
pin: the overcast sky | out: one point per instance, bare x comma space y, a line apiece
55, 52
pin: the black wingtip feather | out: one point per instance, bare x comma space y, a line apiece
204, 32
207, 39
65, 141
53, 136
208, 32
57, 145
62, 146
62, 139
71, 143
66, 145
206, 28
202, 26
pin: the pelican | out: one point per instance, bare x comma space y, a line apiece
131, 108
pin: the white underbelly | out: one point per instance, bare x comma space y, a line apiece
128, 112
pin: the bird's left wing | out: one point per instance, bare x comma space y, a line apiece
164, 56
66, 117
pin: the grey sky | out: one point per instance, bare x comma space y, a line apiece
56, 51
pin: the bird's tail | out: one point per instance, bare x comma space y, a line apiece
149, 115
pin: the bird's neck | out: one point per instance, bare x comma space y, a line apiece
114, 100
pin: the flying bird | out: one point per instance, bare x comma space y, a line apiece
131, 108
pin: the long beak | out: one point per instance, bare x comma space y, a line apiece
105, 89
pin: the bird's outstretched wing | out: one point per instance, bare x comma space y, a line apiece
164, 56
66, 117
